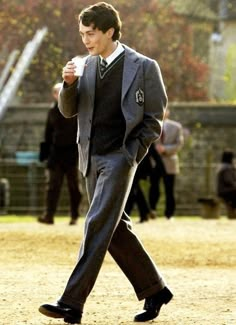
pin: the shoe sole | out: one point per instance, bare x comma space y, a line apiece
46, 222
67, 319
50, 313
71, 320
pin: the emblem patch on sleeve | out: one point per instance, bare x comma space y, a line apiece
139, 96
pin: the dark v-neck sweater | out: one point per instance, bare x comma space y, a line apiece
108, 125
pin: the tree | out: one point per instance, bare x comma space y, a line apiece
148, 26
19, 20
168, 37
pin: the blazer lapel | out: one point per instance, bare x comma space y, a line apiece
90, 77
130, 70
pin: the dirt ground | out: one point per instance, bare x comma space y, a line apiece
197, 258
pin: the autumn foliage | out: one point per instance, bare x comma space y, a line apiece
149, 27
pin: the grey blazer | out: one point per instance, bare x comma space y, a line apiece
143, 102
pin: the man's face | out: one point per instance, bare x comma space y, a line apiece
96, 42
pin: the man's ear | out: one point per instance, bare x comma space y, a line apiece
110, 32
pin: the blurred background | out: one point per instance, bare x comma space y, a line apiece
194, 42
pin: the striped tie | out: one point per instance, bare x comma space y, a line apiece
103, 66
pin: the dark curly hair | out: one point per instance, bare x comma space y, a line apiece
102, 16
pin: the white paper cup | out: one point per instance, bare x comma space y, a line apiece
80, 64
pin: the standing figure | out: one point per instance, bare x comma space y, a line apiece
137, 196
226, 182
61, 152
119, 102
167, 166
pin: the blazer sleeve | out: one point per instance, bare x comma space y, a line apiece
68, 100
155, 103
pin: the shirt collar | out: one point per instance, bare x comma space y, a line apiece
119, 49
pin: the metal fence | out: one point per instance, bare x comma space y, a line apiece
24, 189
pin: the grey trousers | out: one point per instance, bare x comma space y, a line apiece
108, 228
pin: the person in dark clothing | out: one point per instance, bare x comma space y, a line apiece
226, 182
62, 160
156, 174
144, 171
136, 193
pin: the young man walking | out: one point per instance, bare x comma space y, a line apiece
120, 105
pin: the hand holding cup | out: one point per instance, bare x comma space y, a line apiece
73, 69
80, 64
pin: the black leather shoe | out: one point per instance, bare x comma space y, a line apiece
153, 305
73, 222
60, 310
46, 220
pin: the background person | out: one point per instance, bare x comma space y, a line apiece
226, 182
61, 152
119, 104
166, 169
137, 196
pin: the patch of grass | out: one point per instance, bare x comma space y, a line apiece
16, 218
26, 218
